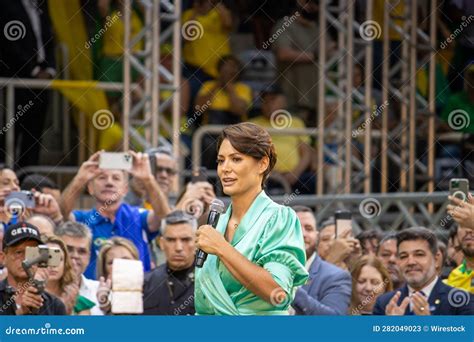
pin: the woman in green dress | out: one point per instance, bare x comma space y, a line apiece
256, 253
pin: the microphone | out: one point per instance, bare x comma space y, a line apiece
216, 209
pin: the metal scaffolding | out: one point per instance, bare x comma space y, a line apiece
145, 114
142, 121
398, 87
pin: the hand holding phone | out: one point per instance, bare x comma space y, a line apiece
459, 188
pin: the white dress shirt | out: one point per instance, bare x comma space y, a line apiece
88, 289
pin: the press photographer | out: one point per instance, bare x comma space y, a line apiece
20, 294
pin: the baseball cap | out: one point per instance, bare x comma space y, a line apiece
22, 231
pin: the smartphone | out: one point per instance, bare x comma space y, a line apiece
116, 161
343, 222
152, 157
459, 187
25, 199
199, 175
48, 256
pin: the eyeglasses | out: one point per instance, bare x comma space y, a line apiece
168, 170
79, 250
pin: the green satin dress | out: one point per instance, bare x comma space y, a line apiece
270, 236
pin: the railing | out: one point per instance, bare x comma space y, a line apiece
384, 212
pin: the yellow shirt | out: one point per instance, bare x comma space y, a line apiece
221, 100
398, 9
208, 40
286, 146
461, 278
114, 34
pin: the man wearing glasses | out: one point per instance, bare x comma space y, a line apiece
78, 238
163, 167
110, 216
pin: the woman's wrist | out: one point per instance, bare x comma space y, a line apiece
223, 250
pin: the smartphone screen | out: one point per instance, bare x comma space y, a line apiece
343, 222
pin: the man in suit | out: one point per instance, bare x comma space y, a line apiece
328, 291
27, 52
169, 288
387, 253
423, 292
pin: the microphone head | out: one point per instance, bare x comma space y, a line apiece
217, 205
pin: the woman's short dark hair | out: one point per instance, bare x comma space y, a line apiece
251, 140
418, 233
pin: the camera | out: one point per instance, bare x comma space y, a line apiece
43, 256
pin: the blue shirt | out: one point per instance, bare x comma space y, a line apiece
130, 223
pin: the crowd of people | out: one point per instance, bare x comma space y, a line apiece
226, 81
411, 271
134, 217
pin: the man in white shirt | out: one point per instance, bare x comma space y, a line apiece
423, 292
78, 238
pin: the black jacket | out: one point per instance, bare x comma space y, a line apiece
51, 305
19, 55
167, 292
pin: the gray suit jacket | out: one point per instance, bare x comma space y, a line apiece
328, 291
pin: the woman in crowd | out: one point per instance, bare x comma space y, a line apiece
114, 248
62, 282
256, 253
370, 279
